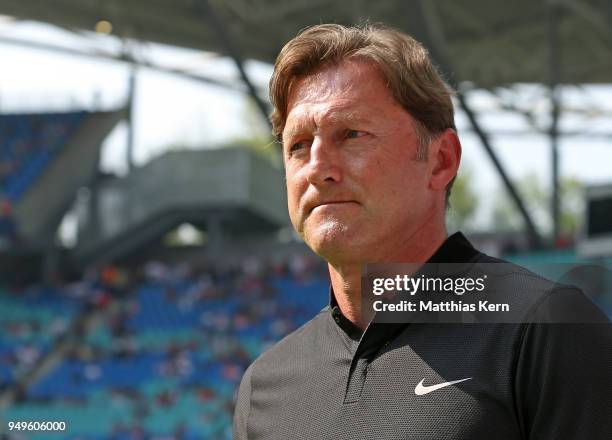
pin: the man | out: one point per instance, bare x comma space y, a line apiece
370, 152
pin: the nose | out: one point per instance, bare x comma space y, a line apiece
324, 167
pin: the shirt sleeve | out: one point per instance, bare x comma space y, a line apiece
243, 407
563, 382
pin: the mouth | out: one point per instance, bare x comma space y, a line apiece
333, 203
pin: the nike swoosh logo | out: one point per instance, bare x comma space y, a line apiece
421, 390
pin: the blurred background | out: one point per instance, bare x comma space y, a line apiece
146, 256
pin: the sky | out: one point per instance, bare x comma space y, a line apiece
173, 112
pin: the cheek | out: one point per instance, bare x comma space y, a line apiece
294, 193
404, 183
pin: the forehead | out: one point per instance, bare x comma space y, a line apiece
350, 85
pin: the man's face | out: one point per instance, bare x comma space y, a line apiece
356, 190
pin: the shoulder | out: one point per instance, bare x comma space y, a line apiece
510, 275
532, 297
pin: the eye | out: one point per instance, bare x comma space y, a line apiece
298, 146
354, 134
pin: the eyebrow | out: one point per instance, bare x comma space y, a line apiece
330, 117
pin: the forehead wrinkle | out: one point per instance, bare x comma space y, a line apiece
341, 113
331, 115
296, 124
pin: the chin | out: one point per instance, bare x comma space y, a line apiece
333, 241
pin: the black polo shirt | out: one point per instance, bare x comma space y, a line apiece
327, 380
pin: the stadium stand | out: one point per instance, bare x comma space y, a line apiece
38, 176
159, 349
164, 358
28, 142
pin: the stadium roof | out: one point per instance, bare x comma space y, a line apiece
489, 43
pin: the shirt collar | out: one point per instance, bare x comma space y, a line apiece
455, 249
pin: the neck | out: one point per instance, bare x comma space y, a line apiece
346, 277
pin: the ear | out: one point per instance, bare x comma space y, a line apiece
445, 156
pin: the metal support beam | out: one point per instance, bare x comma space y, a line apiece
129, 153
534, 237
123, 58
553, 14
437, 43
576, 134
225, 41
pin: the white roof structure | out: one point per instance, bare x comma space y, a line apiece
489, 43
